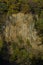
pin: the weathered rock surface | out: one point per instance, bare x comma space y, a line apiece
22, 26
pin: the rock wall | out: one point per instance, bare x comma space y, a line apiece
21, 26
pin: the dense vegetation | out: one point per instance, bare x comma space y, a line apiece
20, 55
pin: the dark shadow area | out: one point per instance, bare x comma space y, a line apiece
4, 55
4, 62
38, 61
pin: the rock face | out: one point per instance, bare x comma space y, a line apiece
21, 26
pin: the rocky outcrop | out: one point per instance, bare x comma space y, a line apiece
20, 27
